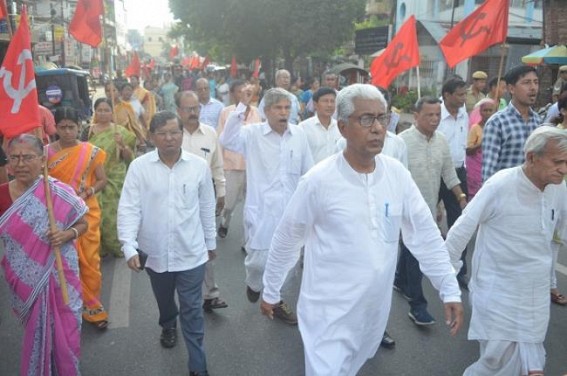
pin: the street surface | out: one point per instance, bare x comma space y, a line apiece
242, 342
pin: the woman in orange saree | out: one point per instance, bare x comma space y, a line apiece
123, 114
81, 165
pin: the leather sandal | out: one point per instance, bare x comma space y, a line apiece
101, 325
558, 298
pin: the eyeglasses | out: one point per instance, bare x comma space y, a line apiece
368, 120
172, 134
190, 109
25, 158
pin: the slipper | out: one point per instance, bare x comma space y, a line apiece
101, 325
558, 298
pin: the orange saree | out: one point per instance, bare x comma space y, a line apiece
76, 166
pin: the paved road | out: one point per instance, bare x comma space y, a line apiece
241, 342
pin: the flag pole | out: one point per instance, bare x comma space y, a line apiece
53, 227
8, 21
111, 81
418, 82
503, 48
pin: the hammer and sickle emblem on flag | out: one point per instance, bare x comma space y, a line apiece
473, 30
22, 91
394, 60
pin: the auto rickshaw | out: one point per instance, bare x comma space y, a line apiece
65, 87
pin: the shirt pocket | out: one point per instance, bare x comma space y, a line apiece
187, 194
293, 165
391, 218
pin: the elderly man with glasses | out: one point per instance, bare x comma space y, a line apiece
348, 211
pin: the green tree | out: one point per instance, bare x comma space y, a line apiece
267, 28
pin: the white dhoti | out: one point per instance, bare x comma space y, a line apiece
255, 263
505, 358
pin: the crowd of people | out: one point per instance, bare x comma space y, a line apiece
325, 175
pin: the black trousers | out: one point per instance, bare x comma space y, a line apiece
453, 208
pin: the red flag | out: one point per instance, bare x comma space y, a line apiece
206, 62
19, 107
85, 25
401, 54
195, 62
135, 67
186, 62
3, 9
481, 29
233, 67
173, 52
257, 66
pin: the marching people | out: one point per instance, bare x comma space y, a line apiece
283, 81
506, 132
168, 194
52, 326
348, 212
120, 145
277, 154
516, 213
210, 107
321, 129
81, 166
234, 163
430, 163
485, 108
454, 125
201, 139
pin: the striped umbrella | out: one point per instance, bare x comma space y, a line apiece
550, 55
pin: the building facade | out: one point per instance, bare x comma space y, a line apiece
436, 17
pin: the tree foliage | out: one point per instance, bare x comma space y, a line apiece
267, 28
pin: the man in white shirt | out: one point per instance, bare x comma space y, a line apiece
321, 129
201, 139
167, 210
210, 107
516, 213
234, 163
429, 162
277, 154
454, 126
283, 81
348, 211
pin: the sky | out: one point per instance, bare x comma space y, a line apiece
147, 13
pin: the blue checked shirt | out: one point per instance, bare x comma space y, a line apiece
503, 139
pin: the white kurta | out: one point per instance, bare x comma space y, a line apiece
509, 287
350, 225
274, 164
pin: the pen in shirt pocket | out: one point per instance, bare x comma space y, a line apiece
183, 188
386, 206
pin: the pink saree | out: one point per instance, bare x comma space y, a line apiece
52, 329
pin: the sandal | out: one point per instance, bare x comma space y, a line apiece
558, 298
101, 325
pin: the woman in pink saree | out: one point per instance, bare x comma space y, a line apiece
52, 328
483, 110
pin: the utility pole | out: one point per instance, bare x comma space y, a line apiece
62, 36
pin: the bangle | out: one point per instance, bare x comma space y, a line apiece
75, 231
462, 196
93, 191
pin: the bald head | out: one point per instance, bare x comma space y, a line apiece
203, 90
283, 79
